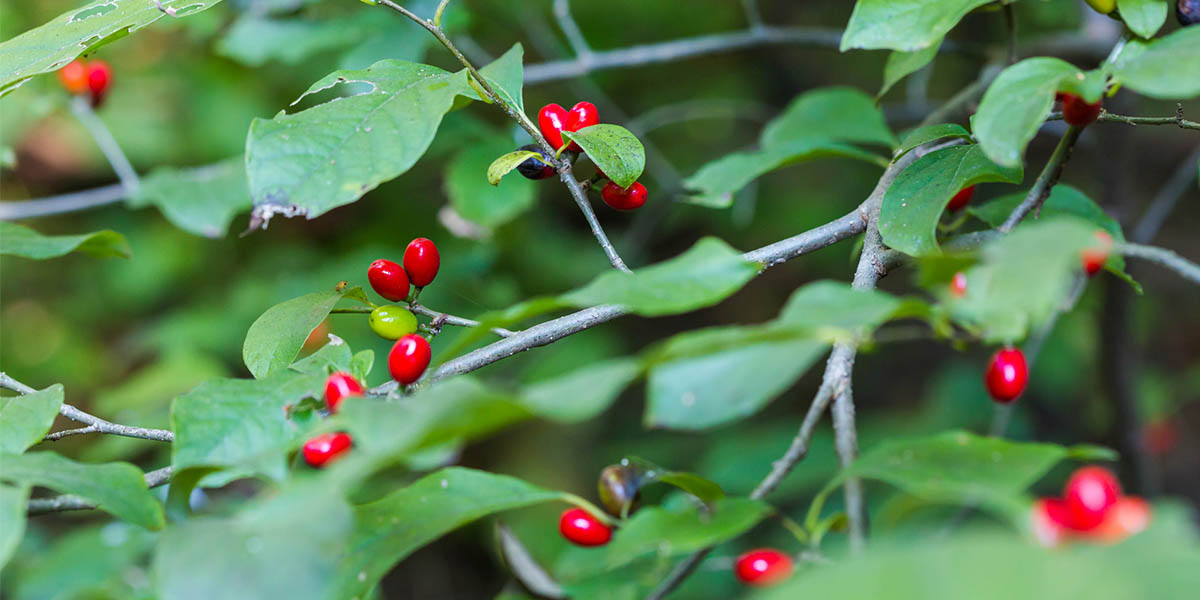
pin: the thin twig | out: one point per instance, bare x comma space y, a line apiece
58, 435
1167, 258
449, 319
1010, 25
99, 425
104, 139
41, 506
1045, 181
570, 28
65, 203
1107, 117
1164, 202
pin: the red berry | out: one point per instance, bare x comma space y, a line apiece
1094, 257
583, 114
326, 447
1089, 494
74, 77
958, 285
583, 529
765, 566
338, 387
421, 260
388, 279
961, 198
99, 77
1128, 516
624, 199
1077, 112
1007, 375
1050, 521
552, 119
409, 358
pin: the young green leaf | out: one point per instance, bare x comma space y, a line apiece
24, 420
117, 488
901, 64
275, 338
914, 203
1016, 105
904, 25
1144, 17
506, 76
504, 164
1167, 68
471, 196
840, 114
613, 149
18, 240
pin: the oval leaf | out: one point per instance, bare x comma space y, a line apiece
614, 149
275, 338
904, 25
1167, 68
1144, 17
506, 163
1016, 105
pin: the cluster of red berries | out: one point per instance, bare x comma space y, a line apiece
1091, 507
553, 121
87, 77
410, 355
324, 448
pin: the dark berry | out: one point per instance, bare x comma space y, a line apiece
961, 198
326, 447
1007, 375
1089, 494
624, 199
1187, 11
338, 387
421, 260
409, 358
618, 488
1094, 257
534, 168
583, 529
1077, 112
762, 567
388, 279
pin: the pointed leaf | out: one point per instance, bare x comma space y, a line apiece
1016, 105
1167, 68
613, 149
902, 64
276, 337
24, 420
903, 25
1144, 17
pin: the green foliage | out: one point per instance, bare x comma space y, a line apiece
117, 488
581, 394
904, 25
902, 64
1167, 68
1144, 17
25, 420
506, 75
275, 338
13, 502
505, 163
18, 240
1016, 105
78, 31
201, 200
614, 149
673, 531
913, 205
931, 133
472, 196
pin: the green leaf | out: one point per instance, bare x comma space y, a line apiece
77, 32
840, 114
117, 488
833, 304
1016, 105
903, 25
19, 240
670, 532
1064, 200
716, 182
240, 423
507, 162
507, 76
472, 196
613, 149
914, 203
1144, 17
333, 153
902, 64
1167, 68
200, 200
1024, 277
88, 561
276, 337
707, 273
388, 530
25, 420
581, 394
13, 502
256, 39
929, 133
294, 533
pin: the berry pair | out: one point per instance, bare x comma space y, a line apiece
1092, 506
553, 121
421, 263
87, 77
324, 448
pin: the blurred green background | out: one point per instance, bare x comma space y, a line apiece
127, 336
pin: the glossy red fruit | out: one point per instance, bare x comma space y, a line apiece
583, 529
338, 387
388, 279
765, 566
583, 114
326, 447
1094, 257
409, 358
1050, 521
421, 260
629, 198
1089, 495
961, 198
958, 285
99, 78
1130, 515
1006, 375
1077, 112
552, 119
74, 77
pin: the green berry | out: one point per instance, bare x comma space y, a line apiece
393, 322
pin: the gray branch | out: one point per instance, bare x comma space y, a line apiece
95, 424
41, 506
1045, 181
1185, 268
109, 146
1164, 202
